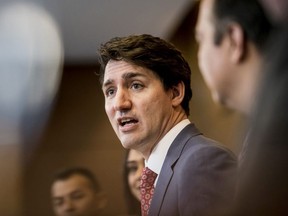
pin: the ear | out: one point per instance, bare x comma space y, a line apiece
237, 42
178, 93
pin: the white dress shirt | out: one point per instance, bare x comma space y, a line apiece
157, 157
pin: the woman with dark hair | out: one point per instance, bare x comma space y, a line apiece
133, 166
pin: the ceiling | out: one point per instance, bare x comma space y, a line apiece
85, 24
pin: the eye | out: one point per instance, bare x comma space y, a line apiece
132, 169
109, 92
77, 196
58, 202
136, 86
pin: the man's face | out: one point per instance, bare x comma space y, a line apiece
137, 106
74, 197
213, 59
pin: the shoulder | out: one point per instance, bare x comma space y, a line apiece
191, 148
195, 141
203, 148
201, 152
192, 136
206, 160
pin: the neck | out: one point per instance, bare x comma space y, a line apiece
178, 116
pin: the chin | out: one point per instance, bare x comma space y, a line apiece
220, 100
216, 98
126, 145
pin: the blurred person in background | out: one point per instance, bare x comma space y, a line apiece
232, 36
77, 192
133, 166
30, 70
262, 184
263, 190
231, 52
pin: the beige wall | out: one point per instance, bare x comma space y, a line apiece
10, 179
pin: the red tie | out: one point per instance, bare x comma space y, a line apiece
147, 189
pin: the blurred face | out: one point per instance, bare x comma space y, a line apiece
137, 106
135, 165
212, 58
74, 197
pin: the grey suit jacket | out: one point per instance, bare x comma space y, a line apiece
197, 178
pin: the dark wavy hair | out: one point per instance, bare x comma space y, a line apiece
153, 53
67, 173
249, 14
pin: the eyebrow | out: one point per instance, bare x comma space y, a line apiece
125, 76
131, 162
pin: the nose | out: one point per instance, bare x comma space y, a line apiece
139, 171
122, 101
68, 206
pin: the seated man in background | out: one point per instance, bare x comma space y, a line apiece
76, 192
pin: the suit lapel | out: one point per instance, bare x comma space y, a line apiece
166, 173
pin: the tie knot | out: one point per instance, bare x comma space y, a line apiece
148, 178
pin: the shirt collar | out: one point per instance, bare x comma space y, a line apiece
157, 157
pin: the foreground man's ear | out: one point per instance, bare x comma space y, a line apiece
178, 93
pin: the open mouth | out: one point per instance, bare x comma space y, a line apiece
126, 121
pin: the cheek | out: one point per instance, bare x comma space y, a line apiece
204, 59
109, 111
207, 64
153, 117
202, 63
155, 103
58, 210
107, 107
148, 111
130, 179
84, 203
